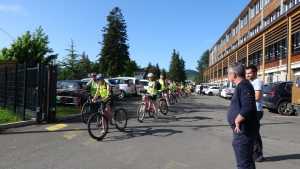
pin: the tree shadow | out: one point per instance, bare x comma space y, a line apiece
283, 157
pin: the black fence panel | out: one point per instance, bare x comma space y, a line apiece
29, 91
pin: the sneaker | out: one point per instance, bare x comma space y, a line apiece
168, 104
259, 159
103, 131
158, 110
113, 122
155, 117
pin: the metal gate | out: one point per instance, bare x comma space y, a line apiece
29, 91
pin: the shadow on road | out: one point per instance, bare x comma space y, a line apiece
282, 157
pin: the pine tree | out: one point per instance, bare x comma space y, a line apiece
70, 63
203, 64
114, 52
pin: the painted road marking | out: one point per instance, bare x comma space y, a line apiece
56, 127
174, 164
72, 134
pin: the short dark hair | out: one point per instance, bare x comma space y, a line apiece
253, 68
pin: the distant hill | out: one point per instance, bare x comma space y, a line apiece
190, 73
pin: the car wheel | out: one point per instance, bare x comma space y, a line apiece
282, 107
122, 95
210, 93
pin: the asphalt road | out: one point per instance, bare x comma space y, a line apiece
194, 134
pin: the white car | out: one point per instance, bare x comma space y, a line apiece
213, 90
145, 84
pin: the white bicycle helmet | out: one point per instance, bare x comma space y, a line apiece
150, 74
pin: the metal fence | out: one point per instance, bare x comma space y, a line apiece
25, 91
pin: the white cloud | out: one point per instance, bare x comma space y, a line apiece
12, 8
209, 40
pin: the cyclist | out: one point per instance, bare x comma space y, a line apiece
182, 88
164, 88
153, 92
106, 93
172, 88
93, 83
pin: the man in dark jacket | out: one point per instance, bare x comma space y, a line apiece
242, 117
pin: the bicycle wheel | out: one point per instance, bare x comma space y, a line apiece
172, 99
121, 119
141, 112
163, 106
94, 126
86, 112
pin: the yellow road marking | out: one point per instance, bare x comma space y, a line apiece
174, 164
56, 127
72, 134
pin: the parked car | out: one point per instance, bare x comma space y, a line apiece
213, 90
138, 87
220, 90
228, 91
277, 96
126, 86
67, 90
115, 86
145, 84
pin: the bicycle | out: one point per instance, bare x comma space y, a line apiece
145, 107
87, 109
194, 94
172, 97
94, 124
162, 103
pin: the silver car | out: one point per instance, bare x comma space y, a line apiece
126, 86
115, 86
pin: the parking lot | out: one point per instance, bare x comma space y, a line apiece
194, 134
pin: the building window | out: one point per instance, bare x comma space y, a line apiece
225, 71
272, 17
267, 1
255, 58
244, 21
282, 48
296, 42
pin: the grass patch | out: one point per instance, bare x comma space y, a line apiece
66, 110
7, 116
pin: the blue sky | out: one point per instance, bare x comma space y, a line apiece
154, 27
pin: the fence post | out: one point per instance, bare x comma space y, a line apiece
39, 91
16, 88
5, 87
24, 91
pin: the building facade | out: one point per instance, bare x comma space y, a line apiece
265, 34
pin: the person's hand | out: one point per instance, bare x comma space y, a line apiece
237, 128
93, 99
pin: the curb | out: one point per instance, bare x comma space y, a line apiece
17, 124
68, 117
33, 121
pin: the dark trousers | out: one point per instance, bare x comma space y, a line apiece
243, 149
257, 149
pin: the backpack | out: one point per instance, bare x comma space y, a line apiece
158, 85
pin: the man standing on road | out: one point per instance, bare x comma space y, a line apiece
251, 75
242, 117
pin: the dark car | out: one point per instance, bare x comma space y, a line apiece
277, 96
67, 90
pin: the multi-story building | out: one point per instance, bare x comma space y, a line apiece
265, 34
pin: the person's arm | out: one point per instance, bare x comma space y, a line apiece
247, 104
97, 91
258, 87
87, 85
108, 91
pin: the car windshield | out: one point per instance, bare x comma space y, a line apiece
145, 83
82, 84
67, 85
111, 81
271, 86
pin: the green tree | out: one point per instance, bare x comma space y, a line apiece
157, 71
114, 53
131, 66
84, 66
203, 63
177, 67
95, 67
71, 62
31, 48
